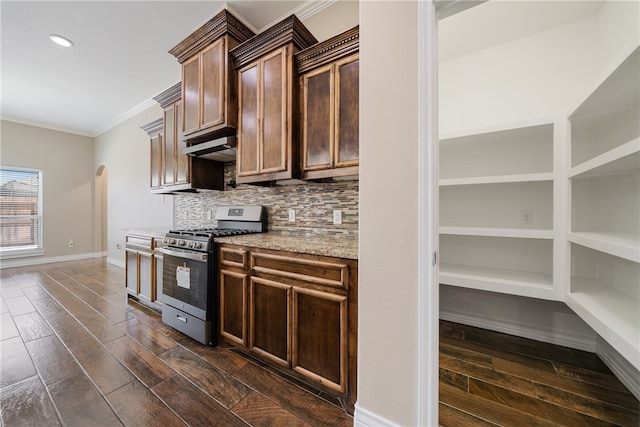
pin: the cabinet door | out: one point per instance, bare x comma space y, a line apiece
156, 161
131, 274
158, 263
191, 95
212, 78
320, 337
269, 323
348, 135
169, 146
318, 123
146, 275
233, 306
274, 103
183, 161
248, 126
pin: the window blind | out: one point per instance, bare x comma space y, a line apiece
20, 208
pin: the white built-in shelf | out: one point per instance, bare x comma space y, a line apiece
512, 261
498, 179
613, 314
516, 282
496, 209
609, 117
522, 233
505, 205
617, 244
498, 154
622, 159
605, 207
604, 190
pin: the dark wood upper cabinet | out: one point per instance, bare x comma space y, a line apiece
171, 169
210, 106
155, 132
268, 117
329, 85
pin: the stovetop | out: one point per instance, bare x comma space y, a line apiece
200, 239
210, 232
231, 221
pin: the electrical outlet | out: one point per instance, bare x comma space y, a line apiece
526, 217
292, 215
337, 217
208, 215
70, 244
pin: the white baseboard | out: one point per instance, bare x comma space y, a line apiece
621, 367
27, 261
535, 332
115, 261
365, 418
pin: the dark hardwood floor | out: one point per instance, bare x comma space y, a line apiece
76, 352
488, 379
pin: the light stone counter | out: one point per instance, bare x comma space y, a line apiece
155, 232
325, 246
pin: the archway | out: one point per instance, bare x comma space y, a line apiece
100, 209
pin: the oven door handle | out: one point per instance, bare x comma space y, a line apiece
197, 256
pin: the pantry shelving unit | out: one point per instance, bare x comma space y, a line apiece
604, 193
497, 209
551, 209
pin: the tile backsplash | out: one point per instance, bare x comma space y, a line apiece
313, 203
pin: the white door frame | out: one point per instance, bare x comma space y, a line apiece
429, 12
429, 295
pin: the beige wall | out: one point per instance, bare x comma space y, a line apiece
68, 175
388, 264
124, 152
335, 19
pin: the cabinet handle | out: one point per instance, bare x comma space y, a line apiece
182, 319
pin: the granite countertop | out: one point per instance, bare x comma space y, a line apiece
315, 245
155, 232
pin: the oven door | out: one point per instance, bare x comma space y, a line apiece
186, 283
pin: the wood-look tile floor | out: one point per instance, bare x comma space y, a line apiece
76, 352
493, 379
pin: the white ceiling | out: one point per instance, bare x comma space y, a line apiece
499, 21
120, 59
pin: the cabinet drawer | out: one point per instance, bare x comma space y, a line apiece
233, 257
139, 242
317, 271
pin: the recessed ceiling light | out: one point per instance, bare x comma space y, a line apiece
62, 41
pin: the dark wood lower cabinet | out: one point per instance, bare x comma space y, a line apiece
269, 322
233, 306
295, 311
320, 337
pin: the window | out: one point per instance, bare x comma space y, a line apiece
20, 211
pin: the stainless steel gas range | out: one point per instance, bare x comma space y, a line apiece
190, 286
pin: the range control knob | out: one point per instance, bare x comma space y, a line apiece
197, 245
182, 243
